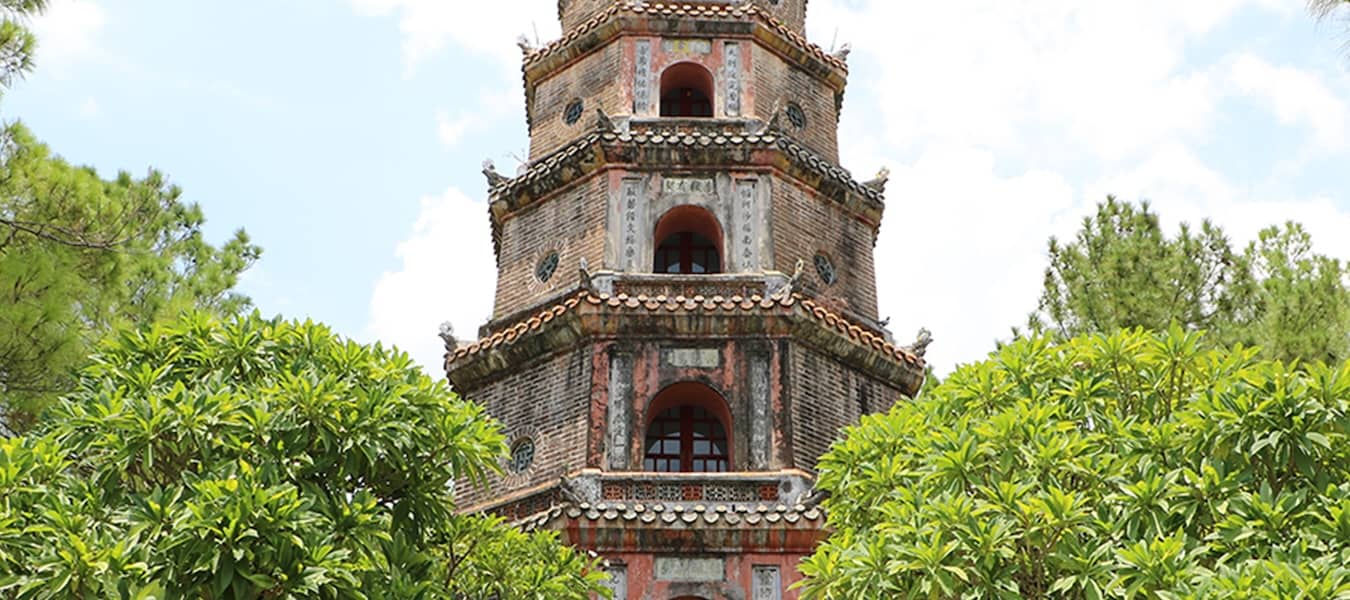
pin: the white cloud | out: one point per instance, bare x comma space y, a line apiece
1004, 123
89, 108
67, 32
1061, 76
492, 106
961, 249
484, 28
447, 274
1184, 189
1297, 96
1019, 115
450, 130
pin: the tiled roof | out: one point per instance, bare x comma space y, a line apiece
685, 515
682, 304
690, 10
570, 154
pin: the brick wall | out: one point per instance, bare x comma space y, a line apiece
804, 224
791, 12
572, 223
596, 80
548, 402
825, 397
575, 12
775, 80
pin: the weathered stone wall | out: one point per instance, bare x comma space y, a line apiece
595, 80
775, 80
572, 223
824, 397
804, 225
546, 402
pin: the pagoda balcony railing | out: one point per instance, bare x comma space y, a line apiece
711, 126
593, 487
653, 285
771, 488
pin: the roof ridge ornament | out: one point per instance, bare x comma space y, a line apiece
920, 346
878, 183
494, 178
786, 291
603, 122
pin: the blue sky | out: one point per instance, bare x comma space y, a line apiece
346, 136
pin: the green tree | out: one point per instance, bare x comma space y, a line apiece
1132, 465
80, 255
1122, 271
17, 43
257, 458
1302, 301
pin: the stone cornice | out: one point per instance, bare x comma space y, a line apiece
588, 315
658, 150
627, 17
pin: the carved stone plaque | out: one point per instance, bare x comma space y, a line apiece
760, 422
677, 185
744, 236
767, 583
686, 47
631, 209
642, 77
671, 568
702, 358
620, 402
618, 581
732, 65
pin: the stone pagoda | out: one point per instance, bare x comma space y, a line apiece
686, 311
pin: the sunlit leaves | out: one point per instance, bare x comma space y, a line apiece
1132, 465
259, 458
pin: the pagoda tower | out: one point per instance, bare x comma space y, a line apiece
686, 311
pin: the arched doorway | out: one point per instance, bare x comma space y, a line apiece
689, 241
688, 431
686, 91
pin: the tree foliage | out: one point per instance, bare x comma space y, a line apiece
1122, 271
80, 256
1125, 466
257, 458
17, 42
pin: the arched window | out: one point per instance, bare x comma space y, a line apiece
689, 241
687, 431
686, 91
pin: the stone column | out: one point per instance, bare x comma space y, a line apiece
761, 421
618, 431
